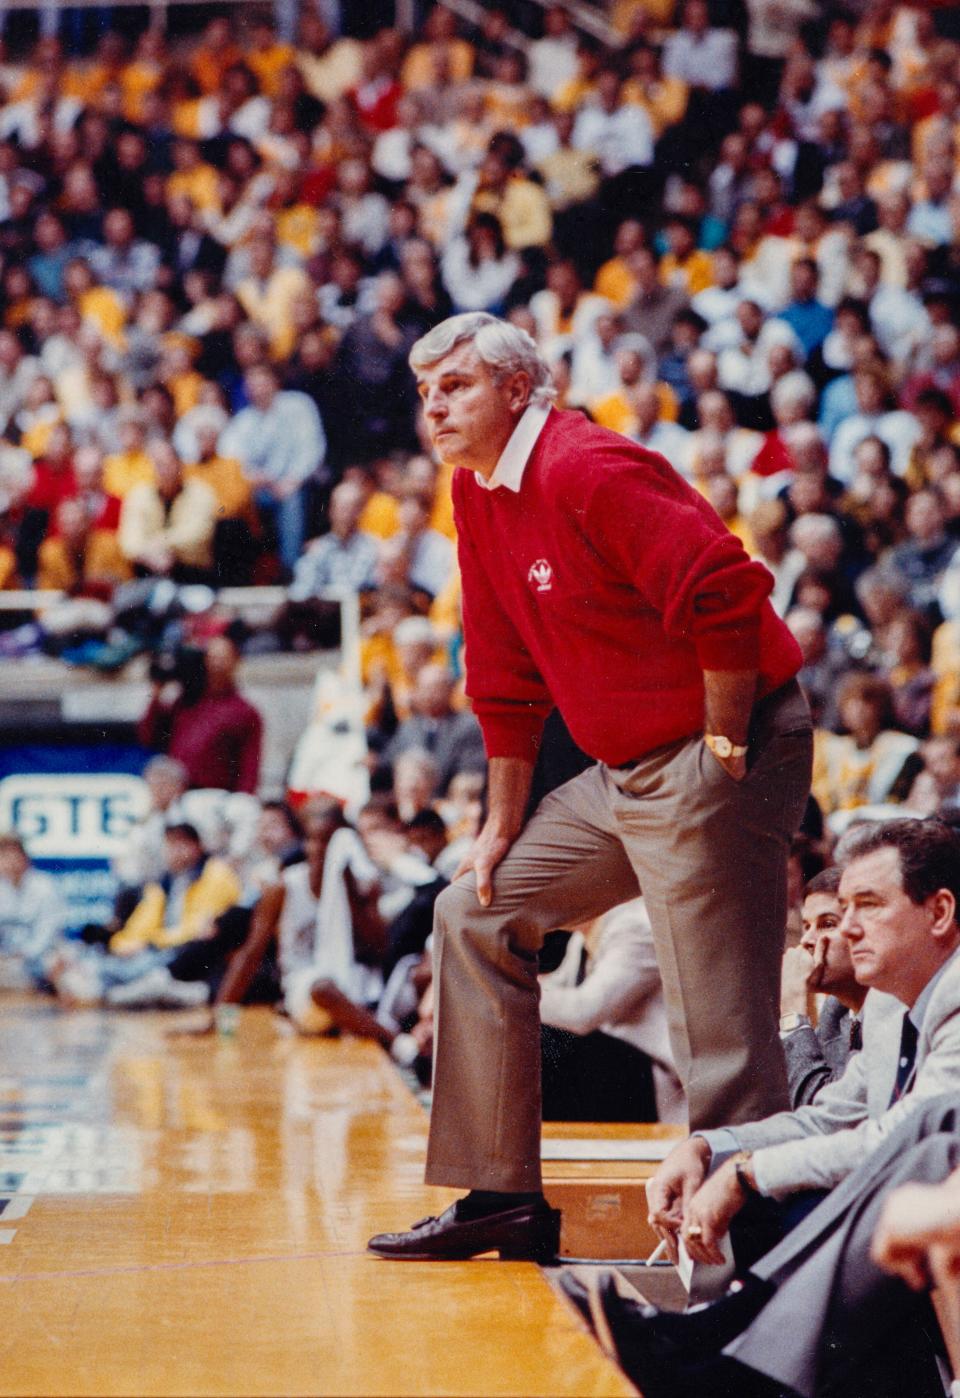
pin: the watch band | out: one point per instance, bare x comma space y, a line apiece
740, 1161
723, 747
794, 1021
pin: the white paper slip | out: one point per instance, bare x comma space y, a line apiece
606, 1150
685, 1263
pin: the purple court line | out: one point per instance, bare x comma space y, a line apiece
174, 1266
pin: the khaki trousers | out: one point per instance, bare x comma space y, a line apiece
710, 856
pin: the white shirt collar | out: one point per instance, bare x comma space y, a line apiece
515, 455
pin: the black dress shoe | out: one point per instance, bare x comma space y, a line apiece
530, 1233
669, 1355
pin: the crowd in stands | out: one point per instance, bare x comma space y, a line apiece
734, 237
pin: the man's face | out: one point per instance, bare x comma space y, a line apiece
469, 413
821, 917
888, 934
182, 853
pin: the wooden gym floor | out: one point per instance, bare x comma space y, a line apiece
189, 1216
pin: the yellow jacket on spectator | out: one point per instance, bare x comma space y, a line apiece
216, 890
523, 210
616, 411
664, 103
694, 274
125, 469
105, 309
616, 282
945, 664
420, 65
298, 227
201, 184
441, 517
8, 567
102, 562
270, 304
267, 65
224, 476
381, 515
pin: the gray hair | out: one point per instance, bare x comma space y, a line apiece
168, 767
504, 347
812, 529
795, 387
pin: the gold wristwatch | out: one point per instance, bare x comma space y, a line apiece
722, 747
740, 1162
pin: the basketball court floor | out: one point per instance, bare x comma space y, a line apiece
189, 1216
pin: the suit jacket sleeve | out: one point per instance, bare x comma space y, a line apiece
825, 1141
815, 1057
807, 1069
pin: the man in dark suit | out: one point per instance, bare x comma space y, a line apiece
818, 1055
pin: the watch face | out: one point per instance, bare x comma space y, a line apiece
723, 747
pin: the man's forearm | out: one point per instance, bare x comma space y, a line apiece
728, 702
508, 793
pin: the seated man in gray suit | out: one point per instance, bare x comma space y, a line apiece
816, 1056
900, 894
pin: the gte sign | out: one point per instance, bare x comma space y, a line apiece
73, 815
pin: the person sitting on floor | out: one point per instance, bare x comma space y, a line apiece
329, 977
821, 963
182, 908
606, 1050
33, 917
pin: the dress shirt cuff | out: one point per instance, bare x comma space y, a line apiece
722, 1142
761, 1184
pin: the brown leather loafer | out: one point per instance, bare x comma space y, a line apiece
527, 1234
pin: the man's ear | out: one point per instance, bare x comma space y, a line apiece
519, 389
943, 906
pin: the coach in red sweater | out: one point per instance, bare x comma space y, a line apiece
596, 580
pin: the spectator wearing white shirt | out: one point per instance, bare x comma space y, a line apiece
564, 311
32, 918
477, 268
655, 433
608, 988
345, 557
930, 219
699, 55
744, 366
717, 304
874, 418
593, 370
898, 316
280, 442
619, 135
552, 60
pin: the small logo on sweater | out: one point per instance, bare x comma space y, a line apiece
541, 575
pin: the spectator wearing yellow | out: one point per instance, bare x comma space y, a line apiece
183, 905
267, 294
132, 464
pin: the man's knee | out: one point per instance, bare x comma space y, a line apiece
458, 916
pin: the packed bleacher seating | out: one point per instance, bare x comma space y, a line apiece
733, 238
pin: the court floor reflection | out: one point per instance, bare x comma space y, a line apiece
186, 1215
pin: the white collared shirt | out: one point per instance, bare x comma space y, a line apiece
515, 455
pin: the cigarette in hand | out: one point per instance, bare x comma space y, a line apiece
659, 1251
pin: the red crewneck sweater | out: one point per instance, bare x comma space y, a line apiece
605, 587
